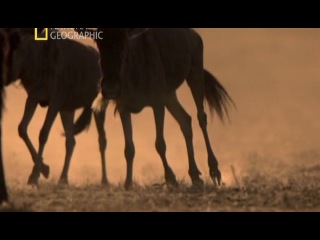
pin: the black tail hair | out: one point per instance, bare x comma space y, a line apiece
217, 97
83, 121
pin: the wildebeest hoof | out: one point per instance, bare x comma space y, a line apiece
197, 182
45, 170
171, 180
216, 177
33, 181
128, 186
105, 182
63, 181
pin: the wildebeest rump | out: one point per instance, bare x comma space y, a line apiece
64, 75
144, 67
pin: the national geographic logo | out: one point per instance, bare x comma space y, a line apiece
44, 34
37, 33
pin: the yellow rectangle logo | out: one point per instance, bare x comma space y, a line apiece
45, 38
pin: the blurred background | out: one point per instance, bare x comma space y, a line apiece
273, 75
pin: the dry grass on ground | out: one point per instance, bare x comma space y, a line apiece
296, 190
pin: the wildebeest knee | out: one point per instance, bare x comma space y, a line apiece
43, 137
161, 146
103, 143
186, 127
71, 142
22, 131
203, 120
130, 151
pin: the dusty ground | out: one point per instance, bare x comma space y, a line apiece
273, 141
298, 191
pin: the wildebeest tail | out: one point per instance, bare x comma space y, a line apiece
216, 95
83, 121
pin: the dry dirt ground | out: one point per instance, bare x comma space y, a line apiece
257, 193
272, 141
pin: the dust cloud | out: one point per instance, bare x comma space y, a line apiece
274, 78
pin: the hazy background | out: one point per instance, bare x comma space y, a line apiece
273, 76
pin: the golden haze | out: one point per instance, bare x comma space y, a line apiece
274, 78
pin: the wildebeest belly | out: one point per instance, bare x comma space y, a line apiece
132, 106
135, 103
75, 101
71, 101
41, 96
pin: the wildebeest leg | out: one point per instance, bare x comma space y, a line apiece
3, 66
67, 118
100, 120
129, 148
3, 188
29, 111
185, 122
53, 109
159, 114
196, 84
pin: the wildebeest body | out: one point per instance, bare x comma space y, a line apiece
64, 75
145, 67
50, 67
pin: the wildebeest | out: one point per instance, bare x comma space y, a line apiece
3, 66
145, 67
63, 75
